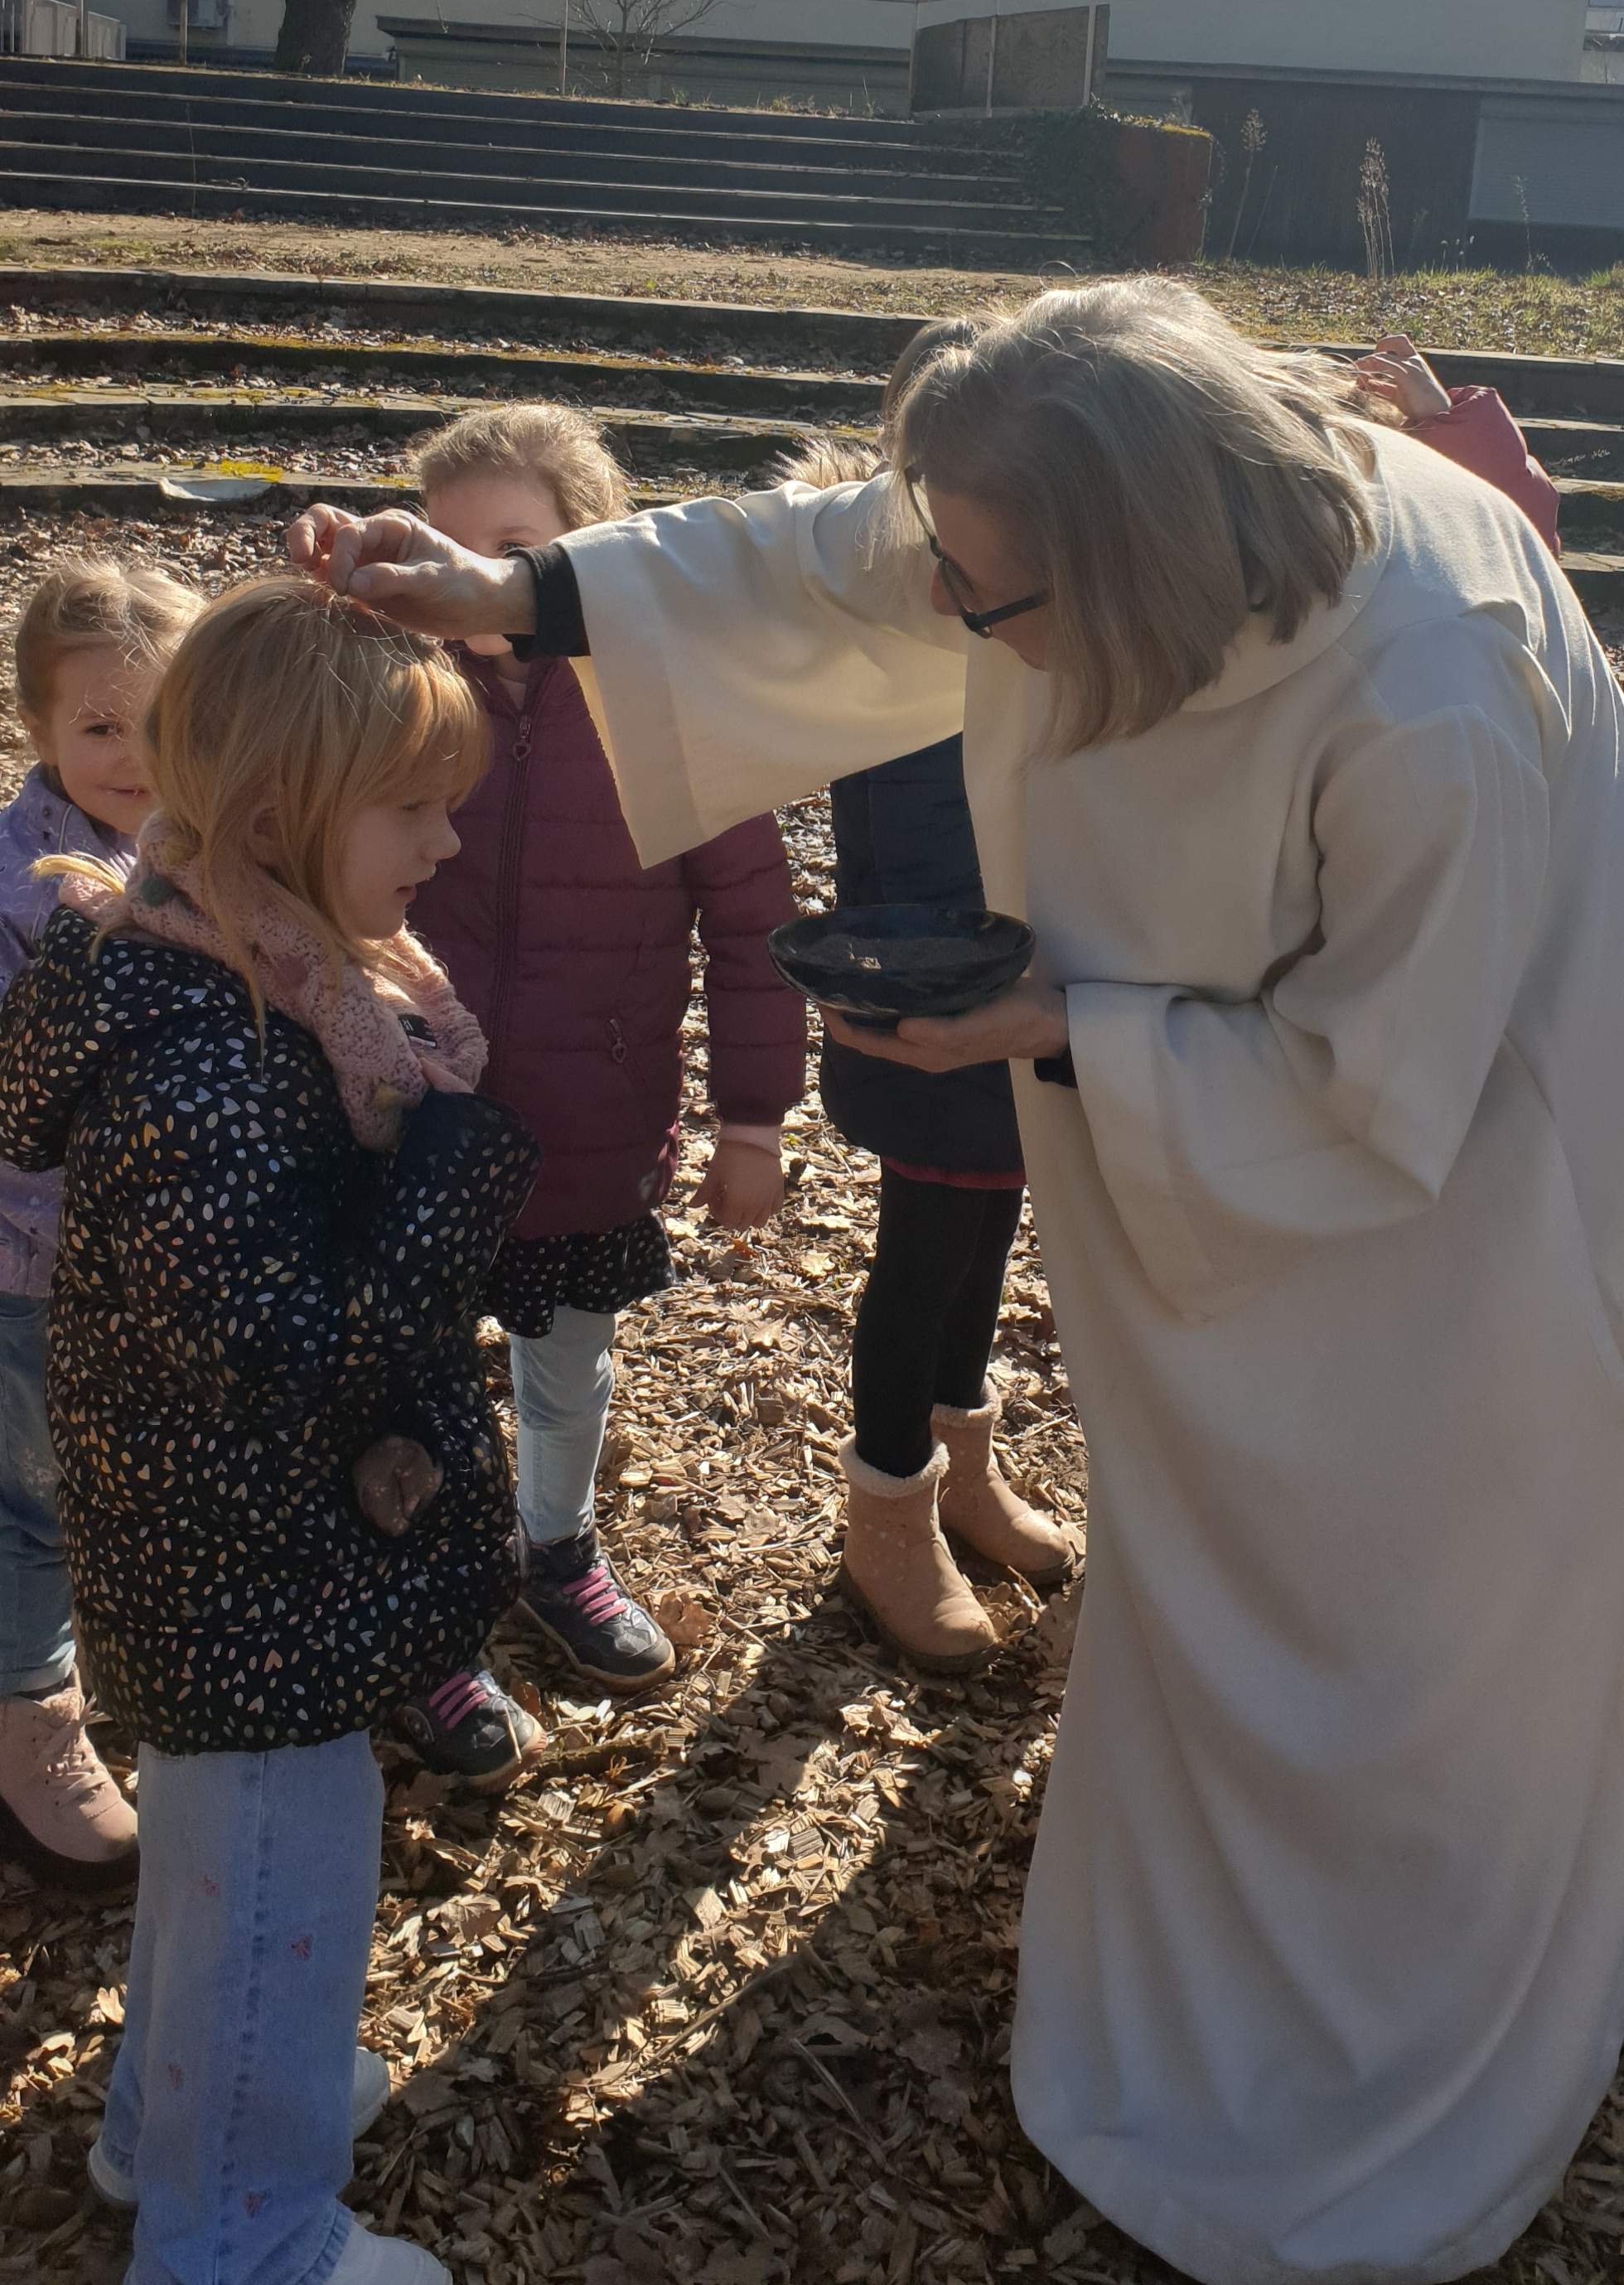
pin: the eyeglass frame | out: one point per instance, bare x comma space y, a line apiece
979, 623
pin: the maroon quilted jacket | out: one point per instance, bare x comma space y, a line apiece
576, 960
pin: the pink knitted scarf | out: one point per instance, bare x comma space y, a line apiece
354, 1015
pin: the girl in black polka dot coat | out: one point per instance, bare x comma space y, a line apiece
244, 1300
281, 1198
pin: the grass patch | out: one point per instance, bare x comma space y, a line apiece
1534, 313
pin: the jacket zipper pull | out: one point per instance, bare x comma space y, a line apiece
618, 1050
522, 740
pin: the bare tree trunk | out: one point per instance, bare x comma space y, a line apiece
314, 38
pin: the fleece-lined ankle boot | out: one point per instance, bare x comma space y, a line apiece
896, 1566
978, 1506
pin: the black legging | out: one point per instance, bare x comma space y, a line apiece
929, 1315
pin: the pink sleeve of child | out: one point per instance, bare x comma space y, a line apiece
1478, 433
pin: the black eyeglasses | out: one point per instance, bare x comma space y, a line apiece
979, 623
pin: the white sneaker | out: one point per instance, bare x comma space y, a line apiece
369, 2260
369, 2091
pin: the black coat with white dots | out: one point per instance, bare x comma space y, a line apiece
244, 1300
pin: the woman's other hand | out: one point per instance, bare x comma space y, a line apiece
1396, 371
401, 565
394, 1481
1026, 1022
743, 1186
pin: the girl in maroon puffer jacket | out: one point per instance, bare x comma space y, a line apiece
576, 960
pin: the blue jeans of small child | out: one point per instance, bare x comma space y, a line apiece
37, 1628
229, 2100
562, 1383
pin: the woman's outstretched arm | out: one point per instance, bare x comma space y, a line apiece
744, 652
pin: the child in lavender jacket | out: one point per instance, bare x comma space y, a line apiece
89, 650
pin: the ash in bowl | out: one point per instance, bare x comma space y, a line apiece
878, 964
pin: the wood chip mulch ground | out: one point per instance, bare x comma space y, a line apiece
722, 1993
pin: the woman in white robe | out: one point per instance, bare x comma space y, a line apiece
1322, 1961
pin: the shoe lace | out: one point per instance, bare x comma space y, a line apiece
594, 1594
454, 1702
66, 1757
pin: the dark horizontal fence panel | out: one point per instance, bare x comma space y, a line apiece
1302, 197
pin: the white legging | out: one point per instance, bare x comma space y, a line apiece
562, 1383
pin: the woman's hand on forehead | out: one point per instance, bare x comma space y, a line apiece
400, 566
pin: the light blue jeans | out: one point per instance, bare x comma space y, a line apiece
37, 1621
562, 1383
229, 2100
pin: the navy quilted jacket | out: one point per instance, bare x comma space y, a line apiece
244, 1298
903, 837
576, 960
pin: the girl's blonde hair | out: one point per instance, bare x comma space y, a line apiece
549, 444
824, 459
86, 601
286, 712
1160, 477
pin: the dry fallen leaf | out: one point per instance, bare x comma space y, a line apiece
685, 1618
469, 1918
1055, 1633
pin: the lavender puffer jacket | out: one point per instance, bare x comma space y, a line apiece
41, 822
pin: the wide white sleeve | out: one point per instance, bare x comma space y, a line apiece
746, 652
1230, 1135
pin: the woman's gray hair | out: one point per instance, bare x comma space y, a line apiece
1161, 478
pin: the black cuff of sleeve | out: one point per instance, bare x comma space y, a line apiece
561, 629
1058, 1071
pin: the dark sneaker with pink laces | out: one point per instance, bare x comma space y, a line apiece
575, 1596
470, 1727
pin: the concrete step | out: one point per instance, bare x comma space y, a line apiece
1591, 449
197, 83
214, 102
412, 179
243, 362
305, 152
649, 444
1598, 579
1588, 508
85, 191
125, 138
1577, 448
850, 340
1563, 390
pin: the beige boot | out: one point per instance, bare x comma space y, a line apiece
978, 1505
897, 1569
60, 1813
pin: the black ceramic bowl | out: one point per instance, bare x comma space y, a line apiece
878, 964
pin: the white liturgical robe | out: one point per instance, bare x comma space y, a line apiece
1323, 1960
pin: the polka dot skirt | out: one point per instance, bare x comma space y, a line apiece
596, 1269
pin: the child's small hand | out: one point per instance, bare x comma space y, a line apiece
743, 1186
441, 1076
395, 1481
1396, 371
